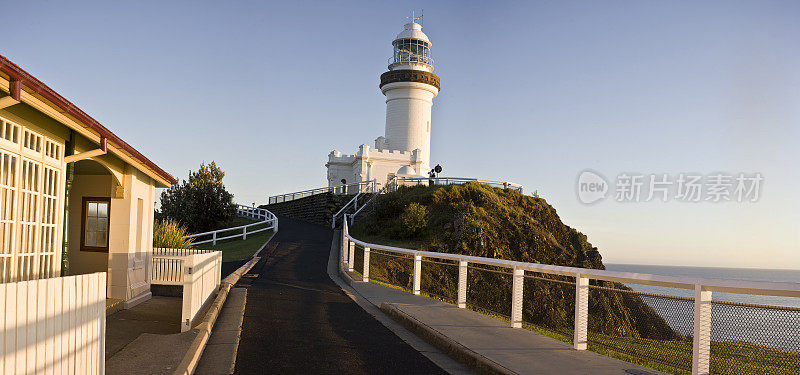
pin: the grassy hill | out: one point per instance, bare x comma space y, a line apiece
477, 220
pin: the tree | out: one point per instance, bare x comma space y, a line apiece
201, 204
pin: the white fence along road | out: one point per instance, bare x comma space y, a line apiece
198, 272
268, 222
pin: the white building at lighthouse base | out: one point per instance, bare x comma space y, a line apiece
368, 164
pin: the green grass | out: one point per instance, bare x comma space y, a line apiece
236, 248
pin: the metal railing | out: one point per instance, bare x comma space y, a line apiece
351, 206
697, 334
351, 188
409, 181
411, 60
268, 220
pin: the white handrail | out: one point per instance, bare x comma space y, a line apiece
352, 202
703, 287
363, 186
269, 219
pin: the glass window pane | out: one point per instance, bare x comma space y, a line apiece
101, 239
91, 224
102, 209
91, 238
102, 224
92, 209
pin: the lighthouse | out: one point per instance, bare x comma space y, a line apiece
409, 86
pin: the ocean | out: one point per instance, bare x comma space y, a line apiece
749, 274
775, 328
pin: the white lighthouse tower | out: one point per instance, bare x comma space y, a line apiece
409, 87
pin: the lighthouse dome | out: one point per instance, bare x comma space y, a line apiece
413, 30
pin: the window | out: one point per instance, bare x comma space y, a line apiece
52, 149
412, 50
31, 170
9, 131
94, 224
32, 141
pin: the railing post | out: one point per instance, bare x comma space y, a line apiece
189, 277
214, 238
351, 256
701, 350
516, 297
366, 265
244, 233
580, 338
343, 249
462, 284
417, 273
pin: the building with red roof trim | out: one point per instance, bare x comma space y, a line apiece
74, 197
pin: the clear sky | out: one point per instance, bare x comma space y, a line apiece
532, 92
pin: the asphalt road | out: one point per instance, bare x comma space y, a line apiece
298, 321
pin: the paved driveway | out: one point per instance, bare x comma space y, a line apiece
298, 321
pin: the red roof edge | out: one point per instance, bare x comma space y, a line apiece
15, 72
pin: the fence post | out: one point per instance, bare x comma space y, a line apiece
462, 284
189, 276
580, 338
701, 350
417, 272
214, 238
244, 234
351, 256
516, 297
366, 265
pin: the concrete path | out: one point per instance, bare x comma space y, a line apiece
147, 339
158, 315
219, 355
298, 321
505, 349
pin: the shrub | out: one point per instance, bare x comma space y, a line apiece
414, 218
169, 234
201, 204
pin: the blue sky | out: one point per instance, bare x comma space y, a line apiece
532, 92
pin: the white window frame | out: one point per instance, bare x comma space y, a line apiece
36, 263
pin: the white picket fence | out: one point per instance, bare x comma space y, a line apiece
53, 326
268, 221
197, 271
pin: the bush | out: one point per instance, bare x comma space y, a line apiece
169, 234
414, 218
202, 204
